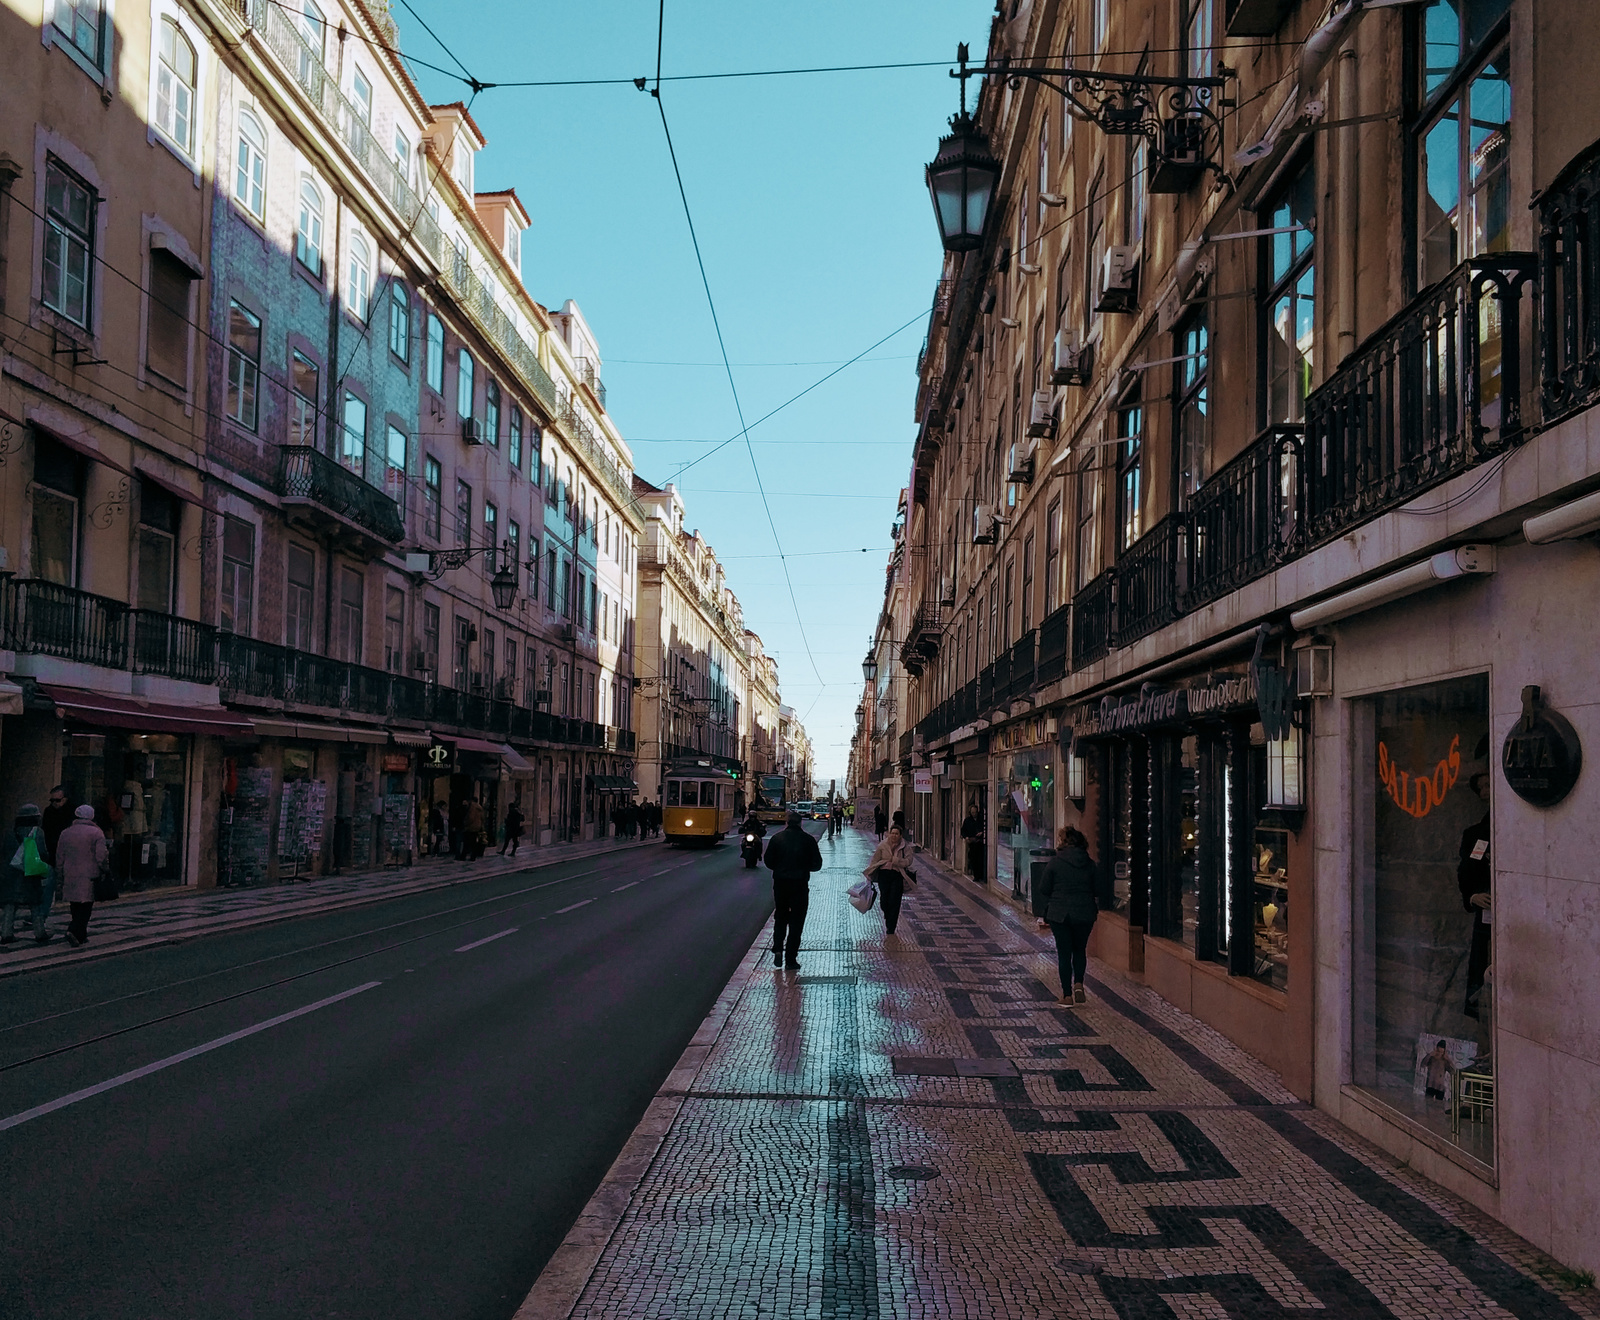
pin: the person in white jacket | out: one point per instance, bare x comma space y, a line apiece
81, 856
890, 869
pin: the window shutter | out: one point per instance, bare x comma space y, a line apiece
167, 346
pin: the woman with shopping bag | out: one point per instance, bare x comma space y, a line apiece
890, 870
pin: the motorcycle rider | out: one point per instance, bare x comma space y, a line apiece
753, 824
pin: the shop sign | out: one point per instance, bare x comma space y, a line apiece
922, 781
1418, 794
1542, 756
396, 763
438, 756
936, 769
1153, 707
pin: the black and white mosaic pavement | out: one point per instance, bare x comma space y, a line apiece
1136, 1166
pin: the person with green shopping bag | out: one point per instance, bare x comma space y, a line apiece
25, 875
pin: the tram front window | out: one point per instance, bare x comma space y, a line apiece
708, 795
672, 793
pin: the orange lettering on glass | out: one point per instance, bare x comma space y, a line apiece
1417, 795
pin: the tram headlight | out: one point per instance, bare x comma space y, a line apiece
688, 822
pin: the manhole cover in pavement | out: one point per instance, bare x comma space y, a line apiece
1075, 1265
912, 1172
909, 1066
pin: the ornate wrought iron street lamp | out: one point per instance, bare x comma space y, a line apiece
962, 179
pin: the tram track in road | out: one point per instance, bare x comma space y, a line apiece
434, 929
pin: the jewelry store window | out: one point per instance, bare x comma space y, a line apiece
1422, 924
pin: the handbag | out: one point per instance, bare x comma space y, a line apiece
862, 895
33, 865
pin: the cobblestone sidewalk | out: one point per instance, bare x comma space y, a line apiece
140, 920
807, 1159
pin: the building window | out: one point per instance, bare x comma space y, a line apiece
491, 535
550, 579
303, 401
509, 679
1130, 474
244, 365
352, 593
57, 484
1052, 557
353, 445
158, 527
399, 321
1027, 583
486, 675
394, 630
361, 94
68, 243
1088, 520
175, 83
313, 32
593, 603
465, 632
1423, 884
167, 324
1464, 172
1094, 250
238, 575
514, 443
536, 455
402, 154
463, 513
1138, 197
430, 639
513, 545
250, 175
394, 458
435, 354
530, 675
491, 412
432, 497
83, 24
1197, 38
465, 388
300, 598
308, 230
1290, 306
533, 569
358, 279
1194, 426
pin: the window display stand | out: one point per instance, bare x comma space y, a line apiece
1472, 1092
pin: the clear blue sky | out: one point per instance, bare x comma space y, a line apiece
818, 239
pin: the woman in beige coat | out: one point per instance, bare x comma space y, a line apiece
81, 856
890, 870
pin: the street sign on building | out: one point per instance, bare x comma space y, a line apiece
922, 781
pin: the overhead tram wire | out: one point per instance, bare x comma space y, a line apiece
722, 347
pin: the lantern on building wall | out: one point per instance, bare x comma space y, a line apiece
1077, 776
1286, 770
961, 181
1314, 667
869, 667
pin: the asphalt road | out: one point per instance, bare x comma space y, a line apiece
386, 1113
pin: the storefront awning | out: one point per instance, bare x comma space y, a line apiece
516, 762
141, 716
336, 733
10, 698
479, 745
404, 738
169, 485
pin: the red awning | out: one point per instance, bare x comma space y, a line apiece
478, 745
143, 716
169, 485
80, 444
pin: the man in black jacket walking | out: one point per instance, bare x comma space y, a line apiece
792, 855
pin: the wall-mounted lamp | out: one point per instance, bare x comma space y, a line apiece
1286, 771
1314, 666
1077, 777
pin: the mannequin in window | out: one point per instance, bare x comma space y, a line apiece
1473, 874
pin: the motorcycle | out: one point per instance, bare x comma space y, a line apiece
750, 849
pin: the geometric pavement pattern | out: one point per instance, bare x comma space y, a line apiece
1139, 1166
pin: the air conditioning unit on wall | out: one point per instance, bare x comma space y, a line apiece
472, 430
1070, 364
1041, 420
1118, 274
984, 527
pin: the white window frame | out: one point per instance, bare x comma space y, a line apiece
358, 277
190, 155
45, 145
254, 162
50, 36
307, 179
358, 80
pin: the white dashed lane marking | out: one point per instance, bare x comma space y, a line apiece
571, 907
498, 935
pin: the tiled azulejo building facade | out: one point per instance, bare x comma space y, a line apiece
1250, 529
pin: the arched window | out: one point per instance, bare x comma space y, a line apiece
308, 235
464, 384
250, 181
358, 284
175, 80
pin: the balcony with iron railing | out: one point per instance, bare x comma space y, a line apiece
1569, 288
309, 478
45, 618
1054, 636
1244, 520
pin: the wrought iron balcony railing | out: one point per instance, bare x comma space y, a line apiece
1092, 619
45, 618
305, 473
1569, 288
1246, 518
1435, 391
1152, 581
1053, 638
172, 647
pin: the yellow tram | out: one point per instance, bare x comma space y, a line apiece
697, 803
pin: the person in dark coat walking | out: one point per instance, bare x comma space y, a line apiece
972, 832
879, 820
458, 829
59, 813
890, 869
18, 889
513, 829
1068, 897
792, 855
81, 858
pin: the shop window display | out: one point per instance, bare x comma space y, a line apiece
1025, 819
1188, 876
137, 784
1422, 970
1121, 789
